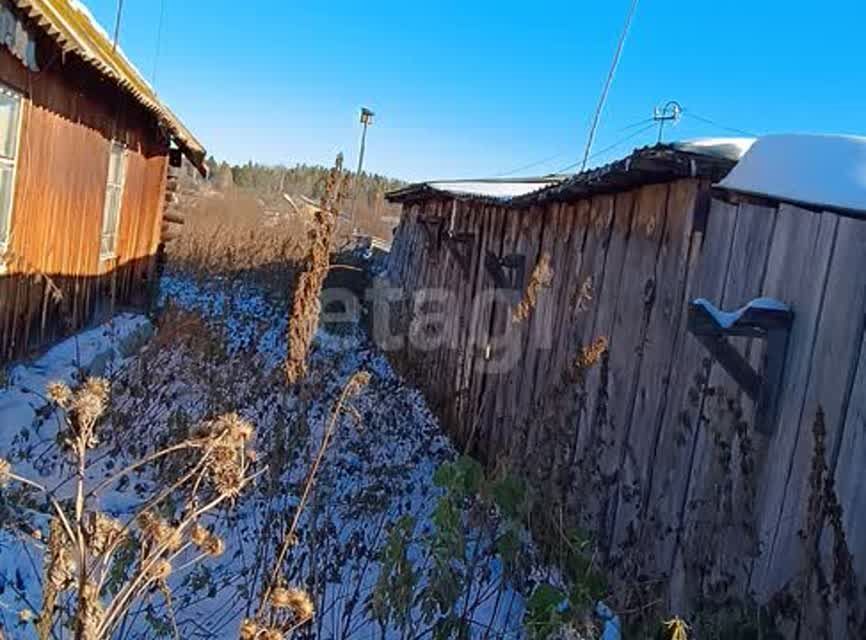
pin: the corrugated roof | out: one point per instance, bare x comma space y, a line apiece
69, 24
488, 189
711, 159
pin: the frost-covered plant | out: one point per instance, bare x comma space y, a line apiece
96, 566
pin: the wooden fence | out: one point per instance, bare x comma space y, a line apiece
617, 414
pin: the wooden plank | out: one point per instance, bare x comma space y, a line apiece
719, 519
801, 251
596, 436
662, 334
525, 238
628, 335
672, 460
839, 336
850, 484
469, 292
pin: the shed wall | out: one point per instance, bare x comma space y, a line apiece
619, 417
55, 281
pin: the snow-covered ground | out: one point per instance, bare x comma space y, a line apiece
219, 348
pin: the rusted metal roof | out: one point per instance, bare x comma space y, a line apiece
72, 27
648, 165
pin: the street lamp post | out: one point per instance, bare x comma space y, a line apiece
366, 120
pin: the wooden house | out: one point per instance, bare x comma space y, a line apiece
570, 328
85, 148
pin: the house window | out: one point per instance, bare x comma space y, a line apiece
113, 201
10, 127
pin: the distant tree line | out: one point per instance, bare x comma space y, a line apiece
271, 181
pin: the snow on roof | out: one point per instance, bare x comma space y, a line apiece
499, 190
493, 188
729, 148
827, 171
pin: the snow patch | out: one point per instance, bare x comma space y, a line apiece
730, 148
827, 171
99, 351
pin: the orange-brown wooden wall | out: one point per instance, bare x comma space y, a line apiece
54, 280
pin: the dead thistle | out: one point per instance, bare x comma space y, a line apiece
82, 542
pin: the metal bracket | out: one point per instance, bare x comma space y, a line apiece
768, 322
513, 264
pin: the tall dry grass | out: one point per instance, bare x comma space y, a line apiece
227, 236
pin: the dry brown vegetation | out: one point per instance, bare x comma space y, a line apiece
226, 235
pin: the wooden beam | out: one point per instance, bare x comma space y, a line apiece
773, 325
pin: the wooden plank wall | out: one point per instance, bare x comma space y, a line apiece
625, 424
54, 282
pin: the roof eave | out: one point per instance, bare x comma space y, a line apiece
48, 18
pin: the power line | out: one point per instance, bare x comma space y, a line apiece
610, 74
158, 42
606, 149
117, 23
692, 114
562, 153
530, 165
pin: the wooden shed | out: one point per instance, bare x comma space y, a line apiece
85, 146
570, 330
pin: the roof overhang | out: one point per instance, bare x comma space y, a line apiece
649, 165
74, 30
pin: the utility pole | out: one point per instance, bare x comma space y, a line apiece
670, 112
366, 120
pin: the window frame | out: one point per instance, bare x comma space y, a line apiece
120, 188
6, 237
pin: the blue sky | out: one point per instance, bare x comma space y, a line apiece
469, 89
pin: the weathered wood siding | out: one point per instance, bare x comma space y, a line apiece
619, 416
55, 281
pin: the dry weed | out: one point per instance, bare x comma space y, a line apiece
304, 318
83, 542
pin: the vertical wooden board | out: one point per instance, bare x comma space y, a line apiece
800, 253
496, 423
597, 216
838, 339
430, 275
530, 243
672, 460
718, 540
574, 228
633, 305
593, 436
475, 225
662, 334
851, 493
482, 317
554, 392
537, 330
444, 280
